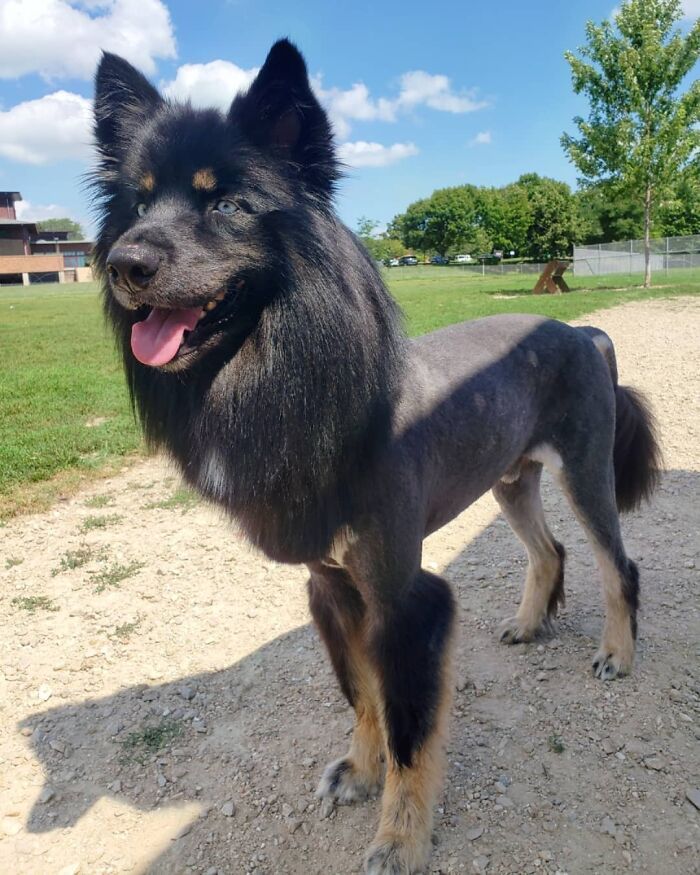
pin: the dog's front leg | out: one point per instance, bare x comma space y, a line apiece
410, 649
341, 617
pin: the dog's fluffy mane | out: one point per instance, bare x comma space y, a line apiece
279, 423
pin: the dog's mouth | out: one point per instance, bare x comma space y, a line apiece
167, 334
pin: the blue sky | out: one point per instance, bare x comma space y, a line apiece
422, 96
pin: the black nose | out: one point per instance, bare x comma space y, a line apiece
135, 266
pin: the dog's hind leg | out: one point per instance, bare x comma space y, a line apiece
340, 615
412, 652
591, 492
521, 504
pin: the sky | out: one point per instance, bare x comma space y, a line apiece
421, 96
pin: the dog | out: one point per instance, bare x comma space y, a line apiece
265, 355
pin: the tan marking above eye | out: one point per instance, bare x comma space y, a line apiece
148, 182
204, 180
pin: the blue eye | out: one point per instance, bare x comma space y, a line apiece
141, 209
225, 207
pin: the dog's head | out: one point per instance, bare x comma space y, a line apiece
195, 203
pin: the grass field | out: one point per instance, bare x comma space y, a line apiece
64, 412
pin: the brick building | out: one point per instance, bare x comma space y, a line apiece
28, 255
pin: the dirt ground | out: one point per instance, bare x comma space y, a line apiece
170, 709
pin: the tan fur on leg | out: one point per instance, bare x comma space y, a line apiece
543, 575
359, 773
521, 504
402, 844
616, 653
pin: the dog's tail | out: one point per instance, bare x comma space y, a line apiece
636, 452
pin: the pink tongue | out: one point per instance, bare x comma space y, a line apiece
157, 339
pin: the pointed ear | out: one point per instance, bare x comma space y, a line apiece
124, 98
280, 114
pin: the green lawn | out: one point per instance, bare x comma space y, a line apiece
63, 405
64, 412
433, 296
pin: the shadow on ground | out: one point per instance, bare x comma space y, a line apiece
258, 733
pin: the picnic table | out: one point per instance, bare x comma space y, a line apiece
552, 278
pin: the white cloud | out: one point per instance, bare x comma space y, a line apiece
64, 37
352, 104
58, 126
421, 88
213, 84
362, 154
217, 83
417, 88
28, 212
483, 138
52, 128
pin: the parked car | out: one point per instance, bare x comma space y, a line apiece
408, 259
393, 262
463, 259
439, 259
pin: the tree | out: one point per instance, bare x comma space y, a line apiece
609, 212
380, 246
554, 217
366, 228
445, 221
679, 211
505, 215
75, 230
640, 132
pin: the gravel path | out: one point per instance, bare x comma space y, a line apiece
169, 709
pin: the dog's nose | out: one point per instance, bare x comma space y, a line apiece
135, 266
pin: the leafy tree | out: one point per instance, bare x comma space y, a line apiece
554, 218
75, 230
678, 213
505, 216
609, 212
639, 131
445, 221
380, 246
366, 227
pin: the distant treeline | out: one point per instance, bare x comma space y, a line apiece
535, 217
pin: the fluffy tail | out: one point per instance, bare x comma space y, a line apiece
636, 454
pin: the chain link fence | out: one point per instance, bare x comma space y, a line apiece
667, 253
473, 269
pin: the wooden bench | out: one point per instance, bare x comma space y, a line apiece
552, 278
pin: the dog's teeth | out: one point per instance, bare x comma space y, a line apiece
220, 296
209, 306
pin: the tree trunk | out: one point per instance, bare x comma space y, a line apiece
647, 237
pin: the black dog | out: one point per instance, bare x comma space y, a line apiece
264, 353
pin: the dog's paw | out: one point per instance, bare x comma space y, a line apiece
343, 783
515, 631
608, 665
512, 631
395, 857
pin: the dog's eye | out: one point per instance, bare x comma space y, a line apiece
141, 209
227, 208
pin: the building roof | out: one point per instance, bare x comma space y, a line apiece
61, 242
15, 195
16, 221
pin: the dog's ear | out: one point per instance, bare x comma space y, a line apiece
124, 99
280, 114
